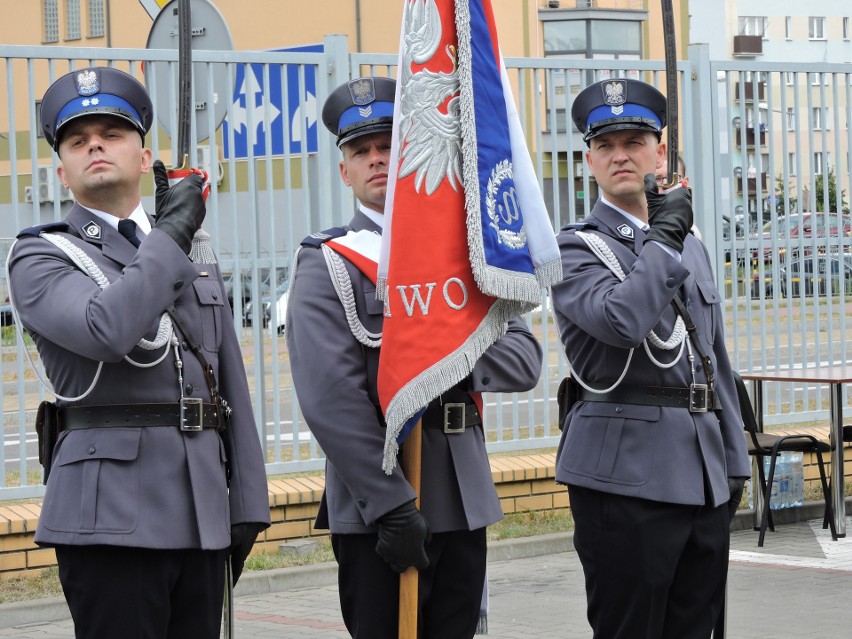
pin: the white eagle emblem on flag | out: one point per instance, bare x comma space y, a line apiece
431, 140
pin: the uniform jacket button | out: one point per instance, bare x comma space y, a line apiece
486, 380
671, 282
189, 389
362, 502
92, 450
618, 409
178, 284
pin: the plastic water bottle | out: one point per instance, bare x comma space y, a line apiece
797, 484
783, 470
774, 491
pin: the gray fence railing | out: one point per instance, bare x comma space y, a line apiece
759, 141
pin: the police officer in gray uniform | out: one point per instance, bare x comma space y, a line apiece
157, 475
652, 450
334, 351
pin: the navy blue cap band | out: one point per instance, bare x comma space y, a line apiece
100, 103
603, 113
358, 114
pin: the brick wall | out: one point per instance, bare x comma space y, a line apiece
524, 483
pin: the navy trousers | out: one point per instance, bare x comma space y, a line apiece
449, 592
653, 570
140, 593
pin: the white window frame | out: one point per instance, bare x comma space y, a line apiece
754, 25
816, 118
788, 27
845, 27
791, 119
791, 163
816, 28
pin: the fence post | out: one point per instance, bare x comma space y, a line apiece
336, 200
698, 143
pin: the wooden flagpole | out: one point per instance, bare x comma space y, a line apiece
410, 461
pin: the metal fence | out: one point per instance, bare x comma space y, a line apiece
752, 144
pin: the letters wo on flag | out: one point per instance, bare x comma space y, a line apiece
467, 244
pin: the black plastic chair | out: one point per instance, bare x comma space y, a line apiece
845, 437
762, 445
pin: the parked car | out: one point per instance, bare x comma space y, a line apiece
805, 234
266, 304
801, 229
6, 317
820, 275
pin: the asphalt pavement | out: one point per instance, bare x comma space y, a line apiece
798, 586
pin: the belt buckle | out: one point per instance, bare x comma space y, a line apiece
449, 429
699, 398
187, 404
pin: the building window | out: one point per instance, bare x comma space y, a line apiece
587, 39
816, 115
816, 28
791, 119
72, 19
96, 18
789, 77
754, 25
791, 163
788, 27
818, 162
845, 28
50, 17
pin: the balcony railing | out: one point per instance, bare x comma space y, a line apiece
748, 46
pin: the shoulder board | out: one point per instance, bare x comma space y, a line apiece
316, 240
580, 226
35, 231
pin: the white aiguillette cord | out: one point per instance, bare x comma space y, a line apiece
200, 253
677, 338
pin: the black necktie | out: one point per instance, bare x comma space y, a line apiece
128, 229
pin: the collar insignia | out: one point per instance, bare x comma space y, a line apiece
363, 91
626, 230
87, 82
615, 93
92, 230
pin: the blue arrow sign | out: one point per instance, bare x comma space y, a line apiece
262, 106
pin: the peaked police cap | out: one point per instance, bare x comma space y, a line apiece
90, 91
360, 107
615, 104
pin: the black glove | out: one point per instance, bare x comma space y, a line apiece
669, 214
243, 537
735, 486
180, 209
403, 534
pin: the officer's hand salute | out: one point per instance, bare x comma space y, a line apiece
669, 214
180, 208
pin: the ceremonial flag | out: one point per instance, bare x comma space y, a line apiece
467, 243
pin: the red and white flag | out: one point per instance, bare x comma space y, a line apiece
467, 242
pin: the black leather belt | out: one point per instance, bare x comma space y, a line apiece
189, 414
452, 417
697, 398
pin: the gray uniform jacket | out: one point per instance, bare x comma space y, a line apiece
153, 487
657, 453
335, 379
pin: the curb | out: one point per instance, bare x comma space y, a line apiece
21, 613
52, 609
